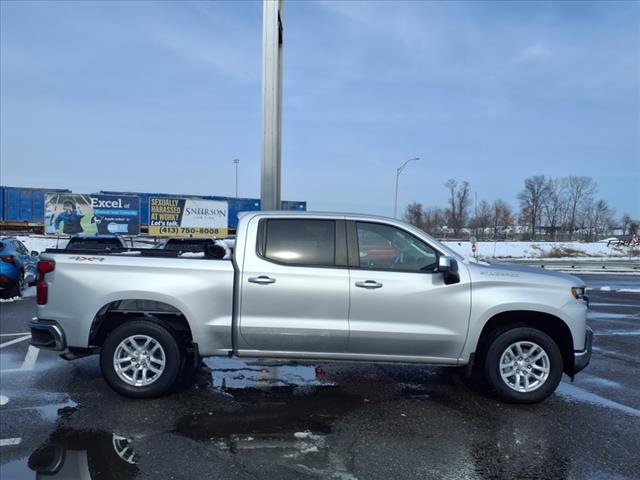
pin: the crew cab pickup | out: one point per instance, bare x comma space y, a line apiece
311, 286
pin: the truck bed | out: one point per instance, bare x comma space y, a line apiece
129, 252
86, 282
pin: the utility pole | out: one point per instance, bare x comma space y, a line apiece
236, 161
398, 172
272, 40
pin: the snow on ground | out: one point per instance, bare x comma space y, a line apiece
40, 243
540, 249
607, 288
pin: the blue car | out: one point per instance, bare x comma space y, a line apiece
18, 267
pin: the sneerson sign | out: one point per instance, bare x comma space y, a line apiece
188, 217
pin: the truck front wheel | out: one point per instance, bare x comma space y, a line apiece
141, 359
523, 365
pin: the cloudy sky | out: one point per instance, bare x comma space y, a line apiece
162, 96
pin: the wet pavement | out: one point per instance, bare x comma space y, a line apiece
278, 420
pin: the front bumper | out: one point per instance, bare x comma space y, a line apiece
47, 335
582, 358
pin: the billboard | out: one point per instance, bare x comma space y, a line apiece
88, 214
188, 217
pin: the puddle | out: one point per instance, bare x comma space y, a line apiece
279, 425
280, 412
277, 414
89, 455
231, 373
53, 411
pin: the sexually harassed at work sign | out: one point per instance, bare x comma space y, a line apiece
188, 217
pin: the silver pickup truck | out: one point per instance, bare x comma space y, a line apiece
331, 287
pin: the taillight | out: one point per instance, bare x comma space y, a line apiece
44, 267
7, 259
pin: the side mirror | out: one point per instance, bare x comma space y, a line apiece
34, 253
449, 267
447, 264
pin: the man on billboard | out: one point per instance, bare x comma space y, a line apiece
70, 217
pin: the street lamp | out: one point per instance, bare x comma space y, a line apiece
236, 161
398, 172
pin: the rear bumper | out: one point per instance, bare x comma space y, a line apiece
48, 335
583, 357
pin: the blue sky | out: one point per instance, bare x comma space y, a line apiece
162, 96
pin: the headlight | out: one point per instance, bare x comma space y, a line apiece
578, 293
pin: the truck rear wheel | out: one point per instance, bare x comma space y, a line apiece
523, 365
141, 359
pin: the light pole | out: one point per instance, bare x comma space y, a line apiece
398, 172
237, 162
272, 44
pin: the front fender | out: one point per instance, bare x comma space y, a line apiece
572, 313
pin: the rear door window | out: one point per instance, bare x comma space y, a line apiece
301, 242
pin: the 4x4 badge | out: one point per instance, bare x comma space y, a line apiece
87, 259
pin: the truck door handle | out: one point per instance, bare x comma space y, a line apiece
369, 284
262, 280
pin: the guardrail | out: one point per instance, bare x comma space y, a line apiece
595, 265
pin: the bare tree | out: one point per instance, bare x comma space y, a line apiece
414, 214
434, 219
554, 206
500, 216
462, 198
602, 219
451, 185
532, 198
626, 222
580, 191
458, 204
482, 220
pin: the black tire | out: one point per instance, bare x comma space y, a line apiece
163, 335
497, 346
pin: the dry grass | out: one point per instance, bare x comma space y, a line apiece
559, 252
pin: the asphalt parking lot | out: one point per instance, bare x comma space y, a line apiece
248, 419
